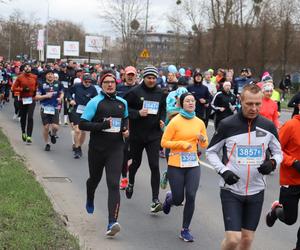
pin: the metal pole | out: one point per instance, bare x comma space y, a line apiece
9, 43
48, 10
146, 25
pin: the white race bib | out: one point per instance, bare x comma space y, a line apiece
66, 84
188, 160
80, 109
49, 110
151, 106
115, 126
248, 154
26, 100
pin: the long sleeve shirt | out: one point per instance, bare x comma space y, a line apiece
179, 134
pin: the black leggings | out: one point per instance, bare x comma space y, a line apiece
184, 179
26, 114
289, 198
112, 161
152, 150
17, 104
66, 104
126, 158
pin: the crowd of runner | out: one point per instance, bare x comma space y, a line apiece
166, 112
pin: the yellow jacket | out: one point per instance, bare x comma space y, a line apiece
180, 134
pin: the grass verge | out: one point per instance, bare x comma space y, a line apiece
27, 218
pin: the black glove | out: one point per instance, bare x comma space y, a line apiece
229, 177
26, 89
267, 167
296, 165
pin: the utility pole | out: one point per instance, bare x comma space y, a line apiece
47, 27
9, 43
146, 25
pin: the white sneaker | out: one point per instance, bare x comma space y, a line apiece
65, 120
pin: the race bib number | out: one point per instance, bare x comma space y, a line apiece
151, 106
188, 160
49, 110
80, 109
249, 154
115, 126
27, 100
66, 84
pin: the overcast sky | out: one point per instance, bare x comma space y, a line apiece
85, 12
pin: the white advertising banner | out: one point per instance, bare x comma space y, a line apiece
53, 52
71, 48
41, 40
93, 44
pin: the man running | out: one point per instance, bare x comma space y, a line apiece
146, 115
50, 94
244, 139
26, 84
122, 89
223, 103
106, 117
79, 95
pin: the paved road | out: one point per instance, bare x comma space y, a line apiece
140, 229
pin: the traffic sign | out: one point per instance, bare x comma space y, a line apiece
145, 54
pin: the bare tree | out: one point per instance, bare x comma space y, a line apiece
120, 14
287, 11
60, 31
18, 36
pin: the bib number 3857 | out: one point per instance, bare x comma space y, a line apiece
249, 154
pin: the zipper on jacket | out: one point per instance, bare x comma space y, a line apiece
231, 152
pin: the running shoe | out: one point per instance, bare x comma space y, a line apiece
164, 181
28, 140
167, 203
113, 228
80, 151
186, 236
156, 206
47, 147
66, 120
129, 191
76, 153
89, 207
52, 138
124, 183
271, 215
24, 137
